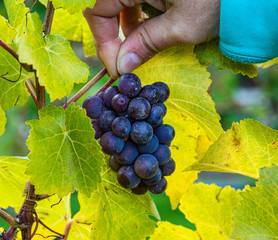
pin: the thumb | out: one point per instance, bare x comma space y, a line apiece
145, 41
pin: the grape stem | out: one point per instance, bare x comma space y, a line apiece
106, 85
90, 84
67, 229
8, 218
30, 90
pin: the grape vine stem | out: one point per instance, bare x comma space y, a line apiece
30, 90
8, 218
106, 85
82, 91
67, 229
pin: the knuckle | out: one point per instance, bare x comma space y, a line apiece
130, 3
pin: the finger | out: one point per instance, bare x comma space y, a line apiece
148, 39
130, 19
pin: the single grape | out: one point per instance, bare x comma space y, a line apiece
140, 189
120, 102
165, 133
141, 132
100, 94
105, 120
109, 94
151, 93
111, 144
94, 106
155, 116
163, 90
149, 147
96, 127
146, 166
155, 179
163, 107
139, 108
162, 154
114, 164
129, 85
127, 177
128, 154
121, 126
160, 187
168, 168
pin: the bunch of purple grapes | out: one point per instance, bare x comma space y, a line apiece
128, 119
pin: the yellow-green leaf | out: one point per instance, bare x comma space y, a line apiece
243, 149
3, 121
210, 208
120, 214
167, 231
73, 27
256, 216
209, 52
63, 152
58, 68
268, 63
12, 181
7, 32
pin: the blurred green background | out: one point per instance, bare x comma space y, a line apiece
236, 97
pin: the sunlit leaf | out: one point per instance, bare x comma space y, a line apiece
12, 181
210, 208
64, 154
256, 216
209, 52
3, 121
268, 63
7, 32
58, 68
243, 149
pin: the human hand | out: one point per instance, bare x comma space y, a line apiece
183, 22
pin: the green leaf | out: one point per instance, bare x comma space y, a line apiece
64, 154
7, 32
73, 27
209, 52
3, 121
12, 92
188, 82
58, 68
268, 63
210, 208
120, 214
72, 6
16, 12
166, 231
12, 181
256, 216
243, 149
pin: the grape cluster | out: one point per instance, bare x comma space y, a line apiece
128, 120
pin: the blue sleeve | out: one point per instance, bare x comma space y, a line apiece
249, 30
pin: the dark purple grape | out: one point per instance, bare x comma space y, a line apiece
94, 106
100, 94
96, 127
121, 126
123, 114
114, 164
111, 144
168, 168
155, 179
139, 108
165, 133
160, 187
120, 102
127, 177
150, 147
141, 132
140, 189
155, 116
129, 85
163, 90
162, 154
146, 166
105, 120
109, 94
163, 107
128, 154
151, 93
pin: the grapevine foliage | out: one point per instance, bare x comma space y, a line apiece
64, 156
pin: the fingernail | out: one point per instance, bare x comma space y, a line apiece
128, 63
